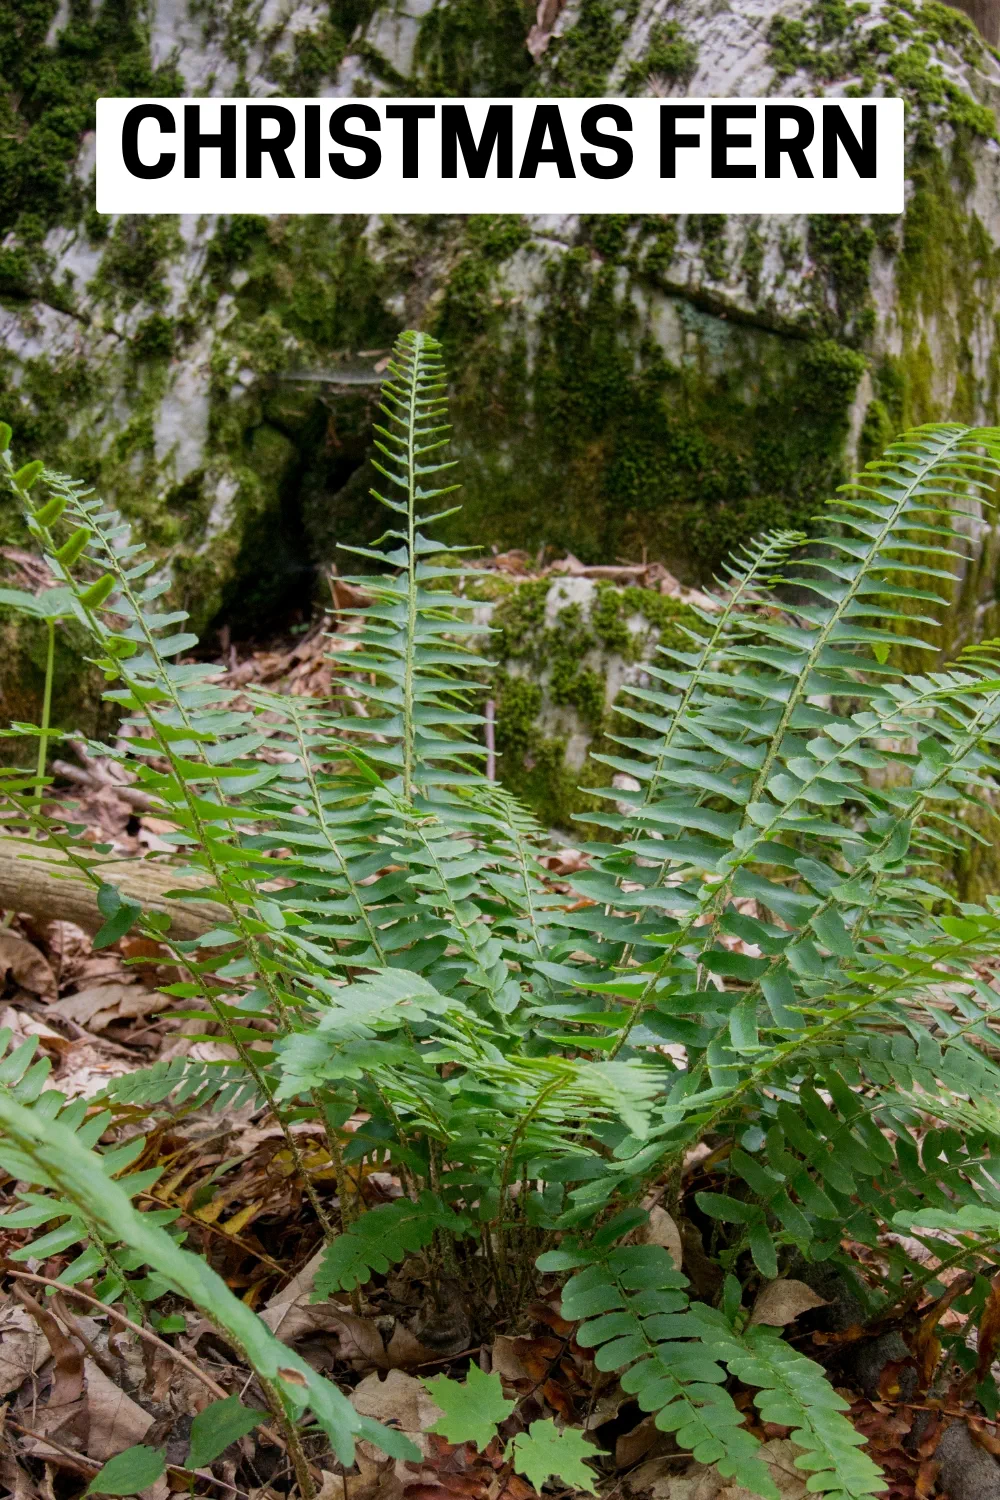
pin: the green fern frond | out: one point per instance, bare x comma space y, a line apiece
58, 1157
636, 1314
186, 1083
22, 1081
383, 1237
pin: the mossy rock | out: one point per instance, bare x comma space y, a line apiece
620, 383
567, 650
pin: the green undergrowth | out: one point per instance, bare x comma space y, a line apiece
619, 445
762, 961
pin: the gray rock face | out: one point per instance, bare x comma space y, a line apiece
967, 1471
660, 382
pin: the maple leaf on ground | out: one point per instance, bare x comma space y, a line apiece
543, 1452
471, 1411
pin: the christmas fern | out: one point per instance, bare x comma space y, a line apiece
674, 1356
767, 950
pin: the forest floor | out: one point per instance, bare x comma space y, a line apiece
80, 1387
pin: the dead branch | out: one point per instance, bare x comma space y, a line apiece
42, 883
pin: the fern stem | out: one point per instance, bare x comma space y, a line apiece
205, 843
409, 724
303, 1475
43, 738
507, 1171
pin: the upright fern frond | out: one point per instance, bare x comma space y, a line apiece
412, 635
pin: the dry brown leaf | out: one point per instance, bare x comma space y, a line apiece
375, 1478
399, 1400
301, 1284
661, 1230
96, 1007
66, 1424
67, 1382
984, 1437
781, 1302
661, 1479
291, 1316
606, 1407
630, 1447
23, 1347
404, 1350
359, 1339
22, 961
506, 1362
87, 1069
538, 1355
23, 1025
116, 1421
14, 1480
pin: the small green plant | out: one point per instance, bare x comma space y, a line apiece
764, 953
213, 1429
51, 605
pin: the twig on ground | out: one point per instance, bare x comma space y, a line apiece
144, 1333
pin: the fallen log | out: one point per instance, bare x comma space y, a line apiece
41, 883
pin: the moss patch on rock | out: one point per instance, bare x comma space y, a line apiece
563, 649
48, 96
580, 431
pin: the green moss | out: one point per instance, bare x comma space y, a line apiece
536, 772
520, 703
948, 273
876, 431
48, 95
564, 665
578, 62
470, 299
39, 397
659, 246
670, 56
475, 47
710, 232
752, 261
841, 247
154, 338
617, 449
312, 61
829, 42
312, 278
134, 264
518, 621
77, 689
829, 375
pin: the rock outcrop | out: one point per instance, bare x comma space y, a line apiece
654, 382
